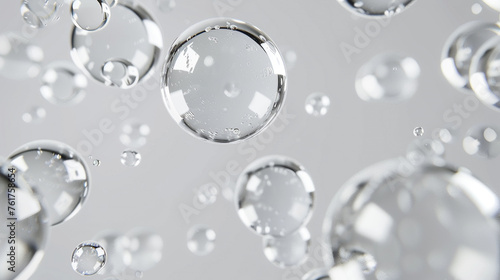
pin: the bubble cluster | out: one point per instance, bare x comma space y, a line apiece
201, 240
88, 258
62, 84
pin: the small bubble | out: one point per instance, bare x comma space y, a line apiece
483, 141
131, 158
201, 240
120, 73
418, 131
88, 258
476, 8
34, 115
317, 104
96, 162
90, 15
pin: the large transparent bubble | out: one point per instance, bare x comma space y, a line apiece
57, 174
376, 7
224, 80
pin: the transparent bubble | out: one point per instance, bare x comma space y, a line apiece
130, 158
19, 59
140, 45
90, 15
57, 173
222, 75
207, 194
388, 224
201, 240
483, 141
459, 49
476, 8
274, 196
288, 251
34, 115
117, 255
388, 77
62, 84
38, 14
145, 249
317, 104
376, 7
418, 131
494, 4
134, 133
120, 73
317, 274
31, 227
88, 258
166, 5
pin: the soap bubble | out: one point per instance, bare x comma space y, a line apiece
130, 158
288, 251
317, 104
376, 7
223, 80
274, 196
145, 249
134, 133
201, 240
90, 15
34, 115
40, 13
388, 77
88, 258
62, 84
117, 255
483, 141
57, 173
19, 59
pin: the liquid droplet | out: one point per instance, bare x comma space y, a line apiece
317, 104
131, 158
201, 240
288, 251
34, 115
120, 73
483, 141
62, 84
88, 258
418, 131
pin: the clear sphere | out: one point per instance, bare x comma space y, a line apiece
134, 134
130, 158
30, 230
224, 80
120, 73
274, 196
418, 131
317, 104
388, 77
316, 274
57, 173
90, 15
38, 14
62, 84
117, 255
376, 7
430, 222
19, 59
288, 251
140, 46
483, 141
145, 249
201, 240
88, 258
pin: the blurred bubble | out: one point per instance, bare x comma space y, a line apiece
145, 249
201, 240
120, 73
317, 104
425, 150
223, 76
57, 173
288, 251
130, 158
19, 59
134, 133
117, 255
90, 15
207, 194
317, 274
34, 115
274, 196
476, 8
483, 141
418, 131
376, 7
88, 258
166, 6
388, 77
62, 84
445, 135
40, 13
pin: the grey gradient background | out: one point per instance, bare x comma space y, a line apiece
354, 134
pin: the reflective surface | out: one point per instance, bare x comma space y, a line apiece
90, 15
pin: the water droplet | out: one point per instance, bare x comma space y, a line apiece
134, 133
185, 83
418, 131
207, 194
38, 14
388, 77
166, 6
145, 249
376, 7
57, 173
483, 141
288, 251
120, 73
19, 59
140, 46
117, 255
62, 84
88, 258
275, 196
201, 240
90, 15
131, 158
34, 115
317, 104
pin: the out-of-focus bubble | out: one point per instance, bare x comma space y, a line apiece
476, 8
57, 173
134, 133
388, 77
274, 196
62, 84
30, 229
445, 135
385, 8
224, 80
494, 4
317, 104
166, 6
201, 240
145, 249
288, 251
34, 115
140, 46
389, 224
118, 257
90, 15
40, 13
130, 158
418, 131
424, 151
459, 49
207, 194
483, 141
88, 258
120, 73
19, 59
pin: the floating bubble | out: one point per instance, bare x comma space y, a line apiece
476, 8
134, 133
240, 84
145, 249
38, 14
31, 228
376, 7
90, 15
19, 59
57, 173
207, 194
117, 255
140, 45
495, 5
387, 223
483, 141
388, 77
34, 115
62, 84
317, 274
288, 251
459, 49
418, 131
317, 104
166, 5
130, 158
120, 73
96, 162
201, 240
274, 196
88, 258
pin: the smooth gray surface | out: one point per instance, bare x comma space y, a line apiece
353, 135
